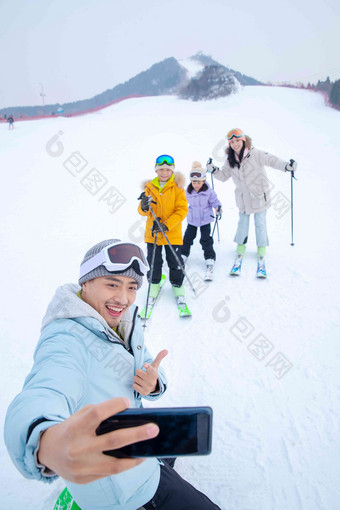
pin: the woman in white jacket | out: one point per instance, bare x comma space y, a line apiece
246, 166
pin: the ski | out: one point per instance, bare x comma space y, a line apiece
152, 306
261, 269
209, 272
236, 269
183, 309
66, 502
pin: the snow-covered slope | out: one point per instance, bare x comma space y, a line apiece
263, 354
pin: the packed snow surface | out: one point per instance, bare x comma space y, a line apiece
263, 354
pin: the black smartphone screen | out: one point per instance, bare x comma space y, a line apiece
183, 431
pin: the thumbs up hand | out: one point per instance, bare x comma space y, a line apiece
145, 381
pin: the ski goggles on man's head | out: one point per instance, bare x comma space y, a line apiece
116, 257
237, 133
164, 159
196, 175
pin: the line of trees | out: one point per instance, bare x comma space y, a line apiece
334, 96
332, 89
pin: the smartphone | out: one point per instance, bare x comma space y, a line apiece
182, 431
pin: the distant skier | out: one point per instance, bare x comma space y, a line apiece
202, 199
10, 121
246, 165
170, 207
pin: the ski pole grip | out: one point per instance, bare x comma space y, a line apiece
291, 161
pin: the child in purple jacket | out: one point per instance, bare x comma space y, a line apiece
202, 199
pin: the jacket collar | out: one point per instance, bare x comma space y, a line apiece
155, 182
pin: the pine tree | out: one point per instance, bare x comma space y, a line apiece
334, 96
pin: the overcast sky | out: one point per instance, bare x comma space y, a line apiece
75, 49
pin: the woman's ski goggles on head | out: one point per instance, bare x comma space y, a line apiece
116, 257
196, 175
237, 133
164, 159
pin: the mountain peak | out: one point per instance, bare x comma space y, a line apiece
205, 60
197, 77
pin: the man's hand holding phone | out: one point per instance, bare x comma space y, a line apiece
73, 451
145, 381
182, 431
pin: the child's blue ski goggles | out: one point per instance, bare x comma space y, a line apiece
165, 159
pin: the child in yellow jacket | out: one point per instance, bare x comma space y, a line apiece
166, 195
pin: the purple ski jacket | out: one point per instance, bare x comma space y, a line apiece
201, 206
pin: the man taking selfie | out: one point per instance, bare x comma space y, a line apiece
91, 363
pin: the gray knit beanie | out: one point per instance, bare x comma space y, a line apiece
102, 271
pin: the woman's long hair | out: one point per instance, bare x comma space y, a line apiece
232, 156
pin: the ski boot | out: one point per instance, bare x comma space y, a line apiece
183, 309
154, 291
209, 270
236, 269
261, 268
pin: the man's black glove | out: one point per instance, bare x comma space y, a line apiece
156, 229
145, 202
219, 212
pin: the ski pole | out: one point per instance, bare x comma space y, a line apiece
215, 224
150, 278
212, 185
172, 250
292, 176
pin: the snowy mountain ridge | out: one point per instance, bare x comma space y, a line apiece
169, 76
